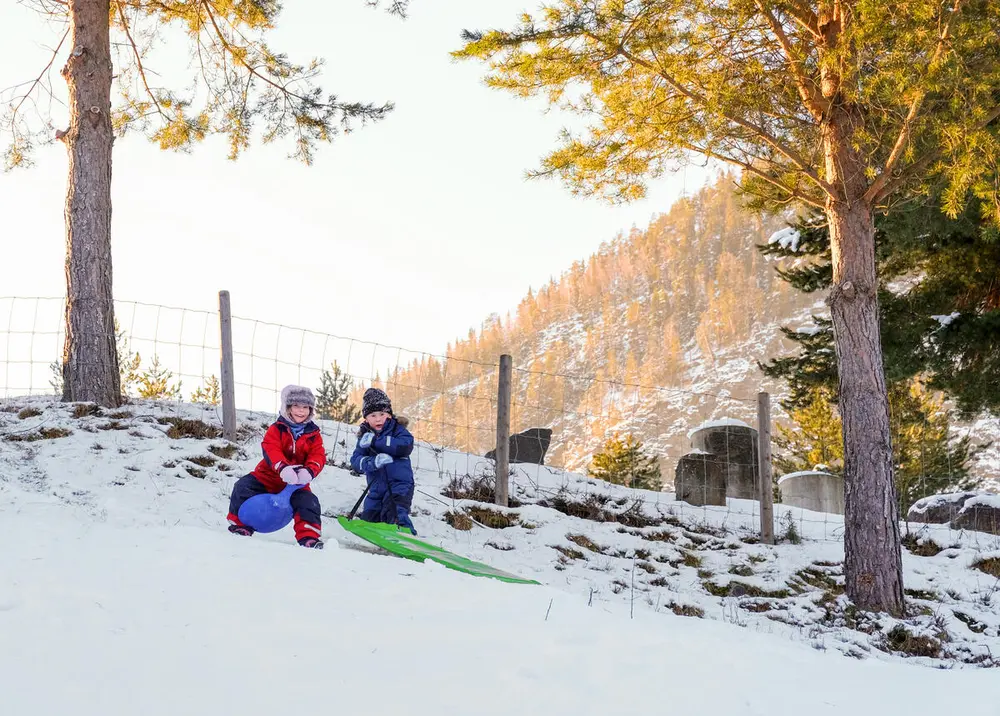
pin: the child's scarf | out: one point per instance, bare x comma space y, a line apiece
296, 428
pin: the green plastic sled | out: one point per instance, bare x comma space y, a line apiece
399, 541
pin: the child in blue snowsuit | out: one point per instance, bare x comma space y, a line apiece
383, 455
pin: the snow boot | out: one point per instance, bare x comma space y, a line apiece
311, 542
241, 530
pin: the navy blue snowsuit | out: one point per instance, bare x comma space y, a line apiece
390, 492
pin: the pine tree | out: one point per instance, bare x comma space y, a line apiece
814, 441
928, 459
622, 462
239, 81
843, 106
334, 395
156, 383
209, 394
949, 267
128, 362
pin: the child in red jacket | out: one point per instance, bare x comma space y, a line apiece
293, 455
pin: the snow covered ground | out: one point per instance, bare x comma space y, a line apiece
121, 592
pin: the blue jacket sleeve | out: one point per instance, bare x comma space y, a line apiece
357, 457
359, 454
398, 444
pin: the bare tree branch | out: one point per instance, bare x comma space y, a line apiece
792, 192
38, 80
138, 60
394, 7
42, 6
252, 70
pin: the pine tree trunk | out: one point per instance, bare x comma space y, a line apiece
873, 559
90, 360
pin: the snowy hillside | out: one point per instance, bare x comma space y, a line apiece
656, 332
661, 329
122, 592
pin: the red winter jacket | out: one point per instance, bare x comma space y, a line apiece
281, 449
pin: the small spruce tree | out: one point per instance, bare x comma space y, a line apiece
814, 440
156, 383
928, 460
210, 393
333, 396
623, 462
128, 362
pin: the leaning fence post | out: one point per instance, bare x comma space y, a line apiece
228, 382
503, 429
766, 491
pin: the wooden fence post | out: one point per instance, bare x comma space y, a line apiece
503, 429
228, 381
766, 494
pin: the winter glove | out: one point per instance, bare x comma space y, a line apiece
366, 440
304, 476
382, 459
288, 475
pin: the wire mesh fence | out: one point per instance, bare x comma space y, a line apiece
675, 451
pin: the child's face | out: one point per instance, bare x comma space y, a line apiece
298, 413
377, 419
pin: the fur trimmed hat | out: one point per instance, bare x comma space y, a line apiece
375, 401
297, 395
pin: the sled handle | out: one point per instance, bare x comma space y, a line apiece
358, 503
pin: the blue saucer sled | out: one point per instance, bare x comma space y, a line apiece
268, 513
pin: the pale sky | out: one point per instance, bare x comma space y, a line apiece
407, 232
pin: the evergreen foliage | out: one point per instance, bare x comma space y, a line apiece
237, 83
928, 459
750, 83
623, 462
939, 299
208, 394
156, 383
815, 440
333, 399
128, 362
842, 106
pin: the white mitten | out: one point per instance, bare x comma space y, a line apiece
288, 475
304, 476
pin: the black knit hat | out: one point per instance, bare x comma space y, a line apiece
375, 401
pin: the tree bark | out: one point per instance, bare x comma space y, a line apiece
90, 360
873, 562
872, 553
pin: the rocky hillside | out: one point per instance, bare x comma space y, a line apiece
655, 333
